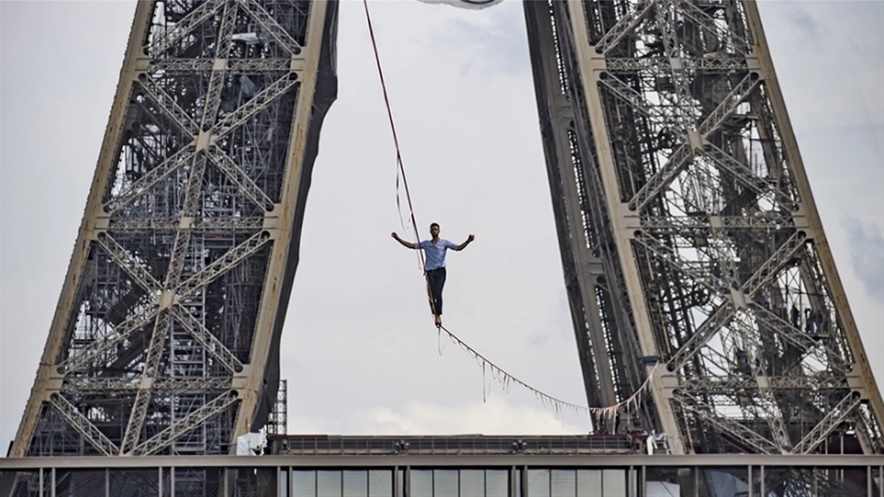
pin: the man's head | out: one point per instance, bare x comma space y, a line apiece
434, 229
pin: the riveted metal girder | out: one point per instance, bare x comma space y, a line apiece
162, 339
700, 220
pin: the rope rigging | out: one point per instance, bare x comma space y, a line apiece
498, 373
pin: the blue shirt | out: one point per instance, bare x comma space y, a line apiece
434, 252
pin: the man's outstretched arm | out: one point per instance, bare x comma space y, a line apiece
467, 242
404, 243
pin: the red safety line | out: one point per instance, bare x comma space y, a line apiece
400, 167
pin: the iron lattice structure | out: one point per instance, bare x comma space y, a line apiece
165, 338
688, 232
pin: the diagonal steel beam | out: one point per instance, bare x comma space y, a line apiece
164, 321
81, 423
271, 26
729, 104
167, 104
194, 188
745, 176
223, 264
870, 435
719, 318
632, 97
664, 252
725, 312
148, 376
191, 421
624, 26
216, 81
189, 210
207, 340
683, 99
744, 434
100, 347
794, 336
774, 263
240, 178
683, 154
183, 27
766, 401
128, 263
837, 413
255, 105
180, 247
691, 11
656, 183
154, 176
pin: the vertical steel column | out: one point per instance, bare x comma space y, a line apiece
169, 321
712, 244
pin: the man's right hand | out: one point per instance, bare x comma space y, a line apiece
402, 242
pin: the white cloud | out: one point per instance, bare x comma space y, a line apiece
829, 58
867, 256
494, 417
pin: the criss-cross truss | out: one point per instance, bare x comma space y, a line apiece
164, 340
689, 234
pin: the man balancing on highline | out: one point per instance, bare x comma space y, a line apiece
434, 252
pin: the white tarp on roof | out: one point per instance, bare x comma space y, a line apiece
250, 444
466, 4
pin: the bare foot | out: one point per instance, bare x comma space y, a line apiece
438, 321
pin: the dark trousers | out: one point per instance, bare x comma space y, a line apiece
435, 282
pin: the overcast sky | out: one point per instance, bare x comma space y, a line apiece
359, 349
